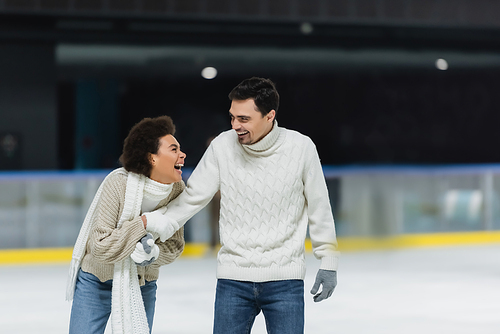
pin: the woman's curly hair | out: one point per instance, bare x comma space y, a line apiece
143, 140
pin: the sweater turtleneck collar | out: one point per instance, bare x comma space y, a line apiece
265, 144
156, 190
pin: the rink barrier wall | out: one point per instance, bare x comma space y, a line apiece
346, 244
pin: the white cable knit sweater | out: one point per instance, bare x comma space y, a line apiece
270, 192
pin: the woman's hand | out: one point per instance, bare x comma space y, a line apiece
146, 251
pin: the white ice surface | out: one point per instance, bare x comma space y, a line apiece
425, 291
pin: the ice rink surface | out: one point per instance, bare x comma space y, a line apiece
425, 291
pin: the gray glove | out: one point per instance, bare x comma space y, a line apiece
327, 278
146, 251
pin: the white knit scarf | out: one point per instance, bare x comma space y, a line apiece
128, 315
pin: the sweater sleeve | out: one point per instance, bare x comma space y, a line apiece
172, 248
200, 188
109, 244
321, 223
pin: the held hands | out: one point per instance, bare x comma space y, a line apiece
146, 251
327, 278
160, 225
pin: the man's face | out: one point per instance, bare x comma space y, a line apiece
248, 122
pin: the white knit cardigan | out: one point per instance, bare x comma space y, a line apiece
128, 315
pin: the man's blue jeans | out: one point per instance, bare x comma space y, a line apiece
238, 303
92, 304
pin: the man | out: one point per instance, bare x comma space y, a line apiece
272, 188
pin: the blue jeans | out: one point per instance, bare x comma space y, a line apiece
238, 303
92, 304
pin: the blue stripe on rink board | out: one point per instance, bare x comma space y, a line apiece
456, 169
330, 171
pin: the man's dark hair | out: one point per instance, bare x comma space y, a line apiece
262, 91
143, 140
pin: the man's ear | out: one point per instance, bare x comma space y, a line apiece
271, 115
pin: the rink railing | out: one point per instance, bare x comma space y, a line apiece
46, 209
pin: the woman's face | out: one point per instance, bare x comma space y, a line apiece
168, 161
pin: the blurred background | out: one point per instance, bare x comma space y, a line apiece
400, 97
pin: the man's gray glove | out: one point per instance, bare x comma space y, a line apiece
327, 278
146, 251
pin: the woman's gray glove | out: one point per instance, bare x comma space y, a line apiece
146, 251
327, 278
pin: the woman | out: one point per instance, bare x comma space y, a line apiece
115, 261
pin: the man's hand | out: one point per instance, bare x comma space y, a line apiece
327, 278
146, 251
160, 225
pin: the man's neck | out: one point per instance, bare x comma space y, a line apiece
266, 142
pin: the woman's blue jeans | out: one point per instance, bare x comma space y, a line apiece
238, 303
92, 304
